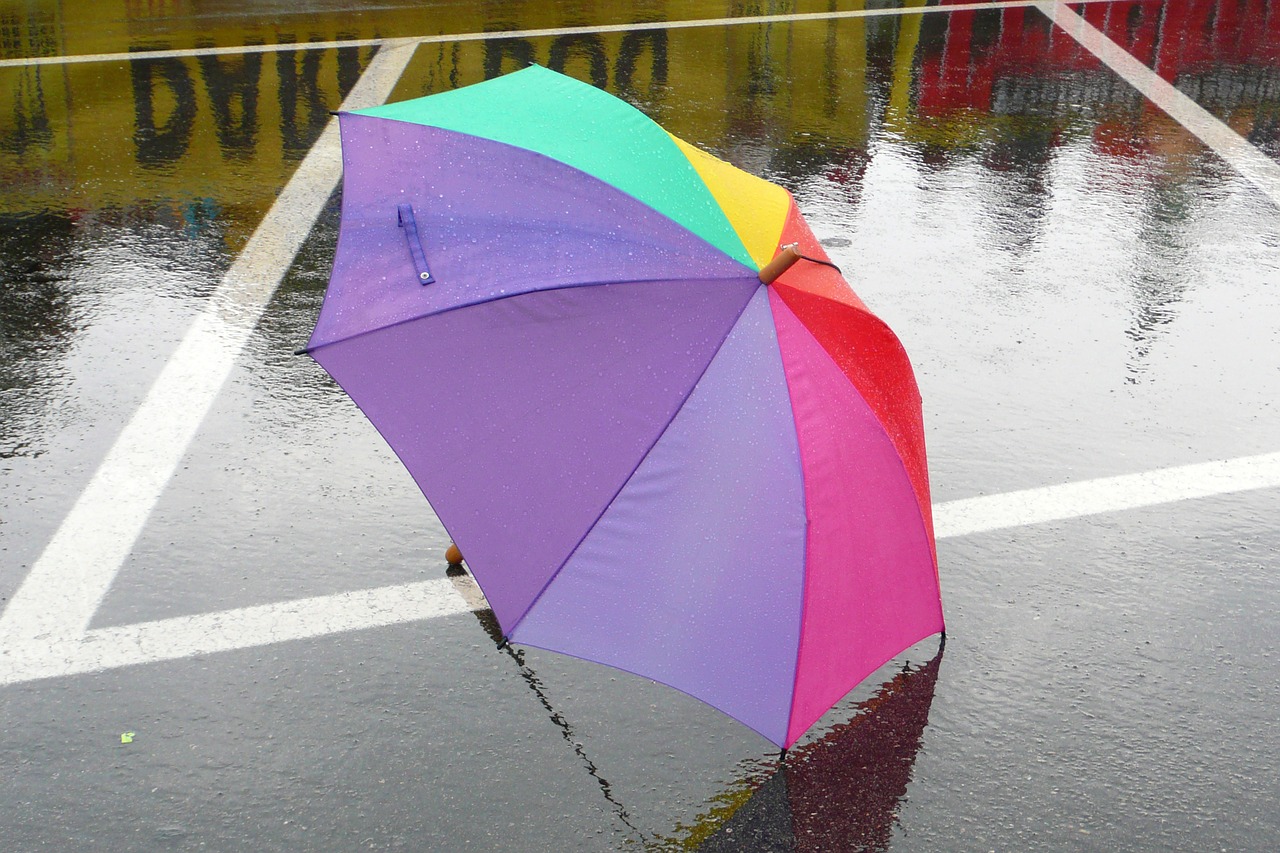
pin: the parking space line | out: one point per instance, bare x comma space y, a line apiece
1239, 153
62, 591
638, 26
1107, 494
228, 630
173, 639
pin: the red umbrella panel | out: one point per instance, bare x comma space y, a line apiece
652, 454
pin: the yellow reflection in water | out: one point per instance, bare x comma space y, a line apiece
765, 96
231, 127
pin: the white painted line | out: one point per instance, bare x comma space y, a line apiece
58, 597
1109, 494
1246, 159
551, 32
173, 639
185, 53
469, 590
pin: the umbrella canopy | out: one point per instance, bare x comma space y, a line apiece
553, 311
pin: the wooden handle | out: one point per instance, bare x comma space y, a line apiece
781, 262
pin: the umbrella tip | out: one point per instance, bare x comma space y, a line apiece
302, 351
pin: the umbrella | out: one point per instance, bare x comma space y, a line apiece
556, 313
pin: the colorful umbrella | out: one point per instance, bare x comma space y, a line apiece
555, 313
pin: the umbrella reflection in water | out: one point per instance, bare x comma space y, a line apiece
471, 593
839, 792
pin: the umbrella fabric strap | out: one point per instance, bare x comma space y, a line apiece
410, 226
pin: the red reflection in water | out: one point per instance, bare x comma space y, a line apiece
964, 55
1224, 54
845, 788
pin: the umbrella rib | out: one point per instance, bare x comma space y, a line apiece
804, 563
625, 480
307, 350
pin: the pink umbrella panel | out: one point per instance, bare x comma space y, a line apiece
650, 458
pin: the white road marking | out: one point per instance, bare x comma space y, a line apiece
1108, 494
58, 597
172, 639
186, 636
1242, 156
550, 32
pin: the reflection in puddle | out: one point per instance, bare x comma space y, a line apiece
37, 323
839, 792
471, 593
944, 81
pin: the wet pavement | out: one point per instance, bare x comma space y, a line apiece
1086, 290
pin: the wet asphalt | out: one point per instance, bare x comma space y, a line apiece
1085, 291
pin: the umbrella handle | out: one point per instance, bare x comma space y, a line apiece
404, 216
781, 262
